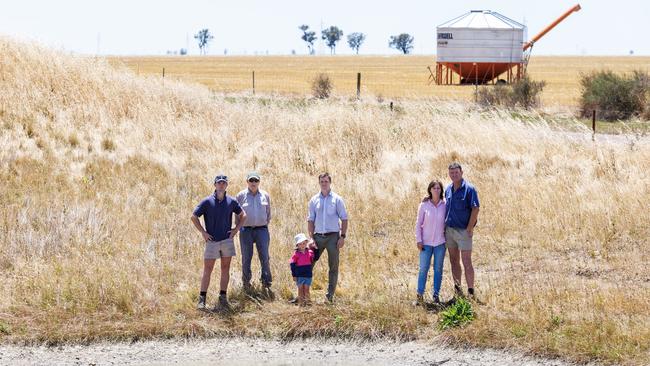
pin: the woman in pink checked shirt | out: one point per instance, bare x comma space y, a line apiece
430, 239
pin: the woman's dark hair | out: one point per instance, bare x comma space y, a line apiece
431, 185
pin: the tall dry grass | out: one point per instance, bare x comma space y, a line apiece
101, 170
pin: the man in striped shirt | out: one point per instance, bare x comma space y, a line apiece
327, 224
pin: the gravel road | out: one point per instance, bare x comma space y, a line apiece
263, 352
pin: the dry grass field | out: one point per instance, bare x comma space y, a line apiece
386, 76
101, 169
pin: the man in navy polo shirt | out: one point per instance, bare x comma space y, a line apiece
462, 213
217, 210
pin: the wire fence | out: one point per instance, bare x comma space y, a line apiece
379, 82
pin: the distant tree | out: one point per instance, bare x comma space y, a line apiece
355, 40
309, 37
402, 42
183, 51
203, 38
332, 35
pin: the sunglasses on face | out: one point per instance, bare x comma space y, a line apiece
220, 177
254, 180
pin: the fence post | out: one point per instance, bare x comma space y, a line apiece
593, 125
253, 82
391, 106
163, 72
358, 85
593, 121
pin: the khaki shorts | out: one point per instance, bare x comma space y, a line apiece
218, 249
458, 238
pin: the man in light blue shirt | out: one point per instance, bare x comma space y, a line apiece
327, 224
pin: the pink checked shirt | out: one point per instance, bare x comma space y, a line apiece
303, 258
430, 224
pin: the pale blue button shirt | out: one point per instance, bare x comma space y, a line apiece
326, 211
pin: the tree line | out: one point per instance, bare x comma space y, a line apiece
331, 35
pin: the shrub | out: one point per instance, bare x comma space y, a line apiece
73, 140
523, 93
321, 86
4, 328
108, 144
459, 313
613, 96
496, 95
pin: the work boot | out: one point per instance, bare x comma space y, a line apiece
223, 304
329, 299
471, 296
268, 292
419, 300
201, 304
458, 291
436, 299
248, 289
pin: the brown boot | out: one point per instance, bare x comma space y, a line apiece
419, 300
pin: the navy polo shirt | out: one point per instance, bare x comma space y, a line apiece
460, 204
217, 215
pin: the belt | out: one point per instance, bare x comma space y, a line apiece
256, 227
327, 234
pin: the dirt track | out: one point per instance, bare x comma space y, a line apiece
265, 352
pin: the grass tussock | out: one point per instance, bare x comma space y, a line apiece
96, 243
321, 86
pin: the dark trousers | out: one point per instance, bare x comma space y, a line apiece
329, 243
260, 236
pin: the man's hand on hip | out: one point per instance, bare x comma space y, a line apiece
470, 231
232, 233
206, 236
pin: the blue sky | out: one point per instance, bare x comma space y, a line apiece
256, 26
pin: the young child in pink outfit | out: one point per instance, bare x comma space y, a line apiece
301, 267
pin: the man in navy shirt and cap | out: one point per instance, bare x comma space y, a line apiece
217, 210
462, 214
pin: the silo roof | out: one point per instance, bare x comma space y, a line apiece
482, 19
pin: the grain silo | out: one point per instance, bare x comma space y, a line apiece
483, 46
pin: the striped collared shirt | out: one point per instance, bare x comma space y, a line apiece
325, 212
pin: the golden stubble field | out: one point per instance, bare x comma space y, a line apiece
387, 76
101, 169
